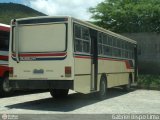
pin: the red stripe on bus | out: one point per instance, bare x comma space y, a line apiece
3, 69
2, 57
85, 57
40, 55
3, 28
110, 59
88, 57
128, 66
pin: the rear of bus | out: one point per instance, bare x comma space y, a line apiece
4, 69
40, 54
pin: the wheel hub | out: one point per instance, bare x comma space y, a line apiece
103, 89
6, 86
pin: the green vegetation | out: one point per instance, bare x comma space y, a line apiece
128, 15
149, 82
10, 11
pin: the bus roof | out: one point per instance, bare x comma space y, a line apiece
4, 27
86, 24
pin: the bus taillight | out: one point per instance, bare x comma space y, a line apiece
68, 71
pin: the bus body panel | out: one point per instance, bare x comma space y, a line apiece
116, 71
82, 74
48, 70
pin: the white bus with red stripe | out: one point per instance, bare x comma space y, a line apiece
4, 69
62, 53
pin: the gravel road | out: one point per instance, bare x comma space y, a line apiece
118, 102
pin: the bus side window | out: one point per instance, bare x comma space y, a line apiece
77, 31
114, 42
78, 45
110, 40
82, 39
110, 43
105, 39
86, 39
107, 50
86, 47
85, 33
77, 36
100, 43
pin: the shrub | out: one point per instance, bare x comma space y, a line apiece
149, 82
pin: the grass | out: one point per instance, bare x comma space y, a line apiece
151, 82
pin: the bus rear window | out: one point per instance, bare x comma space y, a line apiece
4, 41
41, 38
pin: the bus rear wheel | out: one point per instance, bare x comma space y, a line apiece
5, 89
59, 93
102, 94
127, 87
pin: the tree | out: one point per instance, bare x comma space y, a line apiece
128, 15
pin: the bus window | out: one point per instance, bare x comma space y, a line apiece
77, 31
100, 43
4, 41
85, 33
110, 40
114, 42
123, 44
107, 50
118, 43
105, 39
86, 46
82, 39
78, 45
100, 37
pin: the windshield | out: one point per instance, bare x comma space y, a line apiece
41, 38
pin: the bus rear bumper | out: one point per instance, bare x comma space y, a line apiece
41, 84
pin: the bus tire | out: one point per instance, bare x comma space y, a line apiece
102, 88
127, 87
59, 93
5, 89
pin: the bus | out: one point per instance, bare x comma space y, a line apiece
4, 69
58, 53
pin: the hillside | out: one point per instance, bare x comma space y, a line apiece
10, 11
